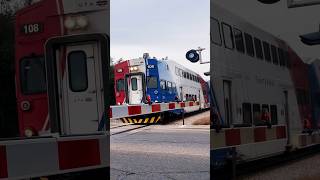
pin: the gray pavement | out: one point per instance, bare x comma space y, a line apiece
161, 152
303, 169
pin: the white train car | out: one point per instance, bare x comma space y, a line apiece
251, 73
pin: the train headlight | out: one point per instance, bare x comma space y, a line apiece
28, 132
155, 91
25, 105
82, 21
119, 70
135, 68
70, 23
131, 69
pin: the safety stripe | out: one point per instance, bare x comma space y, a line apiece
134, 110
3, 162
77, 154
308, 140
156, 108
147, 120
239, 136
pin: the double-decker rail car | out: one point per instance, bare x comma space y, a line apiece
261, 90
35, 25
149, 80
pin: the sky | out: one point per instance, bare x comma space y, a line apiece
166, 28
280, 21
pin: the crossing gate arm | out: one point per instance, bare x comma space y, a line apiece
123, 111
38, 157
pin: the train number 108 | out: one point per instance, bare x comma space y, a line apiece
32, 28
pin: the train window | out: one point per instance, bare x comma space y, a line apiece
266, 50
274, 55
265, 106
239, 40
227, 36
169, 86
33, 76
247, 114
181, 72
174, 87
134, 84
274, 114
184, 74
286, 59
258, 47
249, 44
195, 98
256, 114
177, 71
281, 57
120, 85
163, 84
215, 32
152, 82
77, 67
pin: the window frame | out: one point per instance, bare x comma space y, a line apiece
220, 37
33, 58
247, 35
266, 45
258, 48
231, 35
243, 51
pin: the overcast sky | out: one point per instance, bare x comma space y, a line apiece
277, 19
161, 28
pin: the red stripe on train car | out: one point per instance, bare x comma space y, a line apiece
281, 132
190, 103
182, 104
156, 107
3, 162
259, 134
172, 105
78, 153
133, 110
233, 137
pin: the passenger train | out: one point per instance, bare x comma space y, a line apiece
149, 80
252, 73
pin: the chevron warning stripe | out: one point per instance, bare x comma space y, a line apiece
147, 120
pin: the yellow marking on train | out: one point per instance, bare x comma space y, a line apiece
130, 120
152, 119
140, 121
135, 121
146, 120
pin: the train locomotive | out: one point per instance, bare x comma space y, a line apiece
149, 80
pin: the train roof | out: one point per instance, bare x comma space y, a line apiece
240, 22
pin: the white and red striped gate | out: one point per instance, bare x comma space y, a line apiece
50, 156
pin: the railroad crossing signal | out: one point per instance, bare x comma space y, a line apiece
194, 55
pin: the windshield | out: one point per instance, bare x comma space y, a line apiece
33, 77
152, 82
120, 85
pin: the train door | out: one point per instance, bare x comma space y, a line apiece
227, 102
81, 98
77, 75
135, 89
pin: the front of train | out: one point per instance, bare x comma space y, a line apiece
137, 82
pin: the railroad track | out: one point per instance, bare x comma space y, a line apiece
248, 168
124, 128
